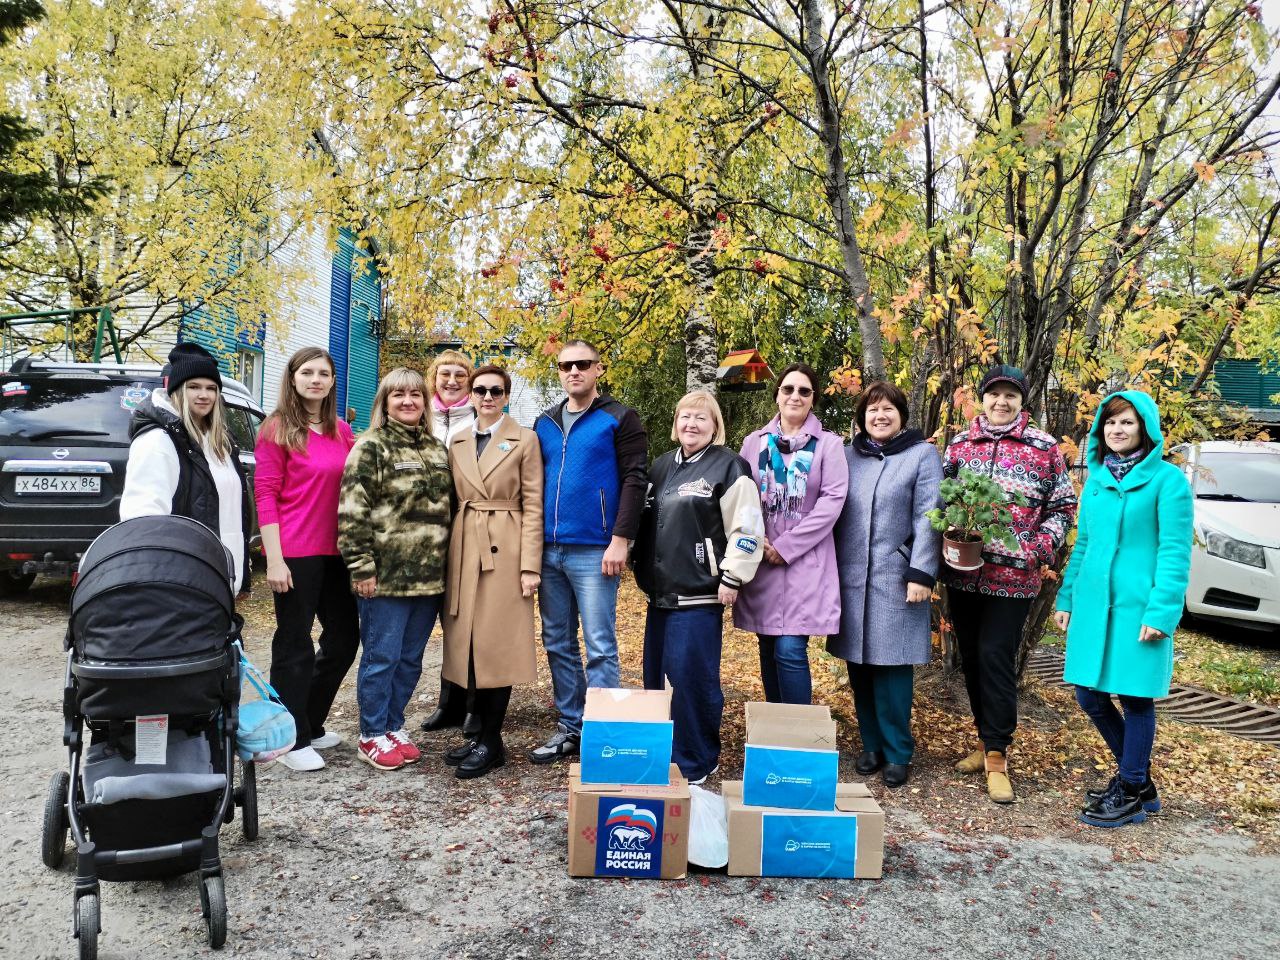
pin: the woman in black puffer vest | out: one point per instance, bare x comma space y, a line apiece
182, 460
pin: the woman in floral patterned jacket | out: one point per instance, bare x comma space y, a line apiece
989, 606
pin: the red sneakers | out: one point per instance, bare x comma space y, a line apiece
408, 750
381, 753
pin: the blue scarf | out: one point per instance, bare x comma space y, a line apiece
1119, 466
783, 485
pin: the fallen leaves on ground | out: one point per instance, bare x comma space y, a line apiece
1229, 785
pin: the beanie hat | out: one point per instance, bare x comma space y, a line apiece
188, 361
1003, 373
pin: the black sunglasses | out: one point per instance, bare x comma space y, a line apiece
583, 365
788, 389
489, 391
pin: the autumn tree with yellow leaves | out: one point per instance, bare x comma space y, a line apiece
210, 169
1082, 188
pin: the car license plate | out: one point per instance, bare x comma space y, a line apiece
65, 484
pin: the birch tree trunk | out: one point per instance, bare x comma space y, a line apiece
836, 185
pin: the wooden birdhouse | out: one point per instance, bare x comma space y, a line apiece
744, 370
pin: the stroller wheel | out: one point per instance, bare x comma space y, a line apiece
213, 900
53, 840
87, 925
249, 800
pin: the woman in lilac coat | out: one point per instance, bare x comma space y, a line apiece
800, 471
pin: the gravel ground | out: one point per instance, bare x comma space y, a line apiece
352, 863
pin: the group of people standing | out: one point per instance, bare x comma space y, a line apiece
446, 509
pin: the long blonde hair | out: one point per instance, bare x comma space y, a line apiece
211, 430
401, 378
442, 359
289, 424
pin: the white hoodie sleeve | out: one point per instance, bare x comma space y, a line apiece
151, 477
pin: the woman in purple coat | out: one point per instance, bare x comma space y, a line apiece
800, 471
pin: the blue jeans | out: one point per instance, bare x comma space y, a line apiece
684, 647
784, 668
573, 587
393, 632
1130, 737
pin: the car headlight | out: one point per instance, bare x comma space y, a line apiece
1218, 544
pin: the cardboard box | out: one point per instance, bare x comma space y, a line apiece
628, 830
626, 736
791, 757
772, 842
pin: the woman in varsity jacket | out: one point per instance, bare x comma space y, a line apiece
699, 541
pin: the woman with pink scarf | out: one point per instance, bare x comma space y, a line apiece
449, 380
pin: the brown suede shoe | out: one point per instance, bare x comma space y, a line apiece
970, 764
999, 788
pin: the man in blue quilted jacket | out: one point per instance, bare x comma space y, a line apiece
594, 453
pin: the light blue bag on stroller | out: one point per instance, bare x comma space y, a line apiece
265, 730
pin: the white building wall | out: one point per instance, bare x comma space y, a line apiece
304, 321
528, 400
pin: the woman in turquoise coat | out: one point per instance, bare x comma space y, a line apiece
1122, 595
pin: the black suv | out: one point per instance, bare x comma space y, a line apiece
64, 443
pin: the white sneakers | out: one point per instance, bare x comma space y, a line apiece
329, 740
305, 759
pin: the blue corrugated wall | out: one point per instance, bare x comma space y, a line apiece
366, 305
355, 305
221, 333
340, 314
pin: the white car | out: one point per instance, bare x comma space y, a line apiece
1235, 561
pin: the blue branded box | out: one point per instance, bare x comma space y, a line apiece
626, 737
791, 757
847, 842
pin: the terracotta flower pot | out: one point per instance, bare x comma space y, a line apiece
961, 554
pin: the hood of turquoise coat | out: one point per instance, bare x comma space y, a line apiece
1096, 448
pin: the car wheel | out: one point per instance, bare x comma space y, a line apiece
13, 583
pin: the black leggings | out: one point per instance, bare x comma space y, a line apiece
307, 682
988, 631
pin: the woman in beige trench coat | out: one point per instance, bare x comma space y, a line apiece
495, 560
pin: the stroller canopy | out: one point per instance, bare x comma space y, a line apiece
153, 588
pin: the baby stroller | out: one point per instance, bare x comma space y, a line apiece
153, 675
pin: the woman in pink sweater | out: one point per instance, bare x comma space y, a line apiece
301, 450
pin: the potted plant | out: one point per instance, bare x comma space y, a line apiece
975, 512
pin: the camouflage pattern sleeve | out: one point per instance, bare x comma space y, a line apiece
355, 508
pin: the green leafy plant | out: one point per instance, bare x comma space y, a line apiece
975, 508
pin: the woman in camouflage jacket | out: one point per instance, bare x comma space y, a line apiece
393, 531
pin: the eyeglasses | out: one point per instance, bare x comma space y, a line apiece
583, 365
447, 375
788, 389
489, 391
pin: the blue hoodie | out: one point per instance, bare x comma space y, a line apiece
1129, 567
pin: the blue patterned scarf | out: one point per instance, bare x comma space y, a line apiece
783, 485
1119, 466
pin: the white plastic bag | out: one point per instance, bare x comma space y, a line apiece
708, 829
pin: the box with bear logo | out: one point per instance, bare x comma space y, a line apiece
628, 830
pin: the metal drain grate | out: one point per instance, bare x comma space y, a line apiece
1249, 721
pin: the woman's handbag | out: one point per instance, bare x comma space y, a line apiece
266, 729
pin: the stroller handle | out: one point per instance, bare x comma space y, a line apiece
113, 671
